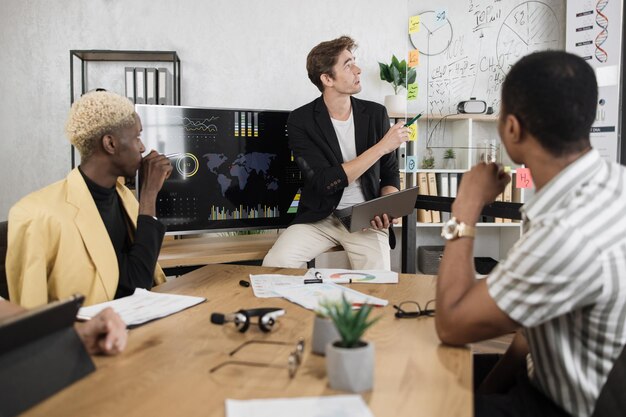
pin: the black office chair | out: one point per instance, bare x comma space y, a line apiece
4, 288
612, 401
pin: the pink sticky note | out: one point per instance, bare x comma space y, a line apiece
523, 179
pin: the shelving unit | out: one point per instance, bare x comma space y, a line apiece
82, 58
465, 133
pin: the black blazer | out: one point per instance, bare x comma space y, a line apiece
315, 146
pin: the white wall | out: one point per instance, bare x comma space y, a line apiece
234, 53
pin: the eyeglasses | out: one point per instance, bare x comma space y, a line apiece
412, 309
293, 361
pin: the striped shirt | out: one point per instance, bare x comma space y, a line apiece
565, 281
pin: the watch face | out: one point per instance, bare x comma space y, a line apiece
450, 229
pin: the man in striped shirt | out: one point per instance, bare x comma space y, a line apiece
562, 284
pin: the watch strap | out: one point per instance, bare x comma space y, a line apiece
465, 230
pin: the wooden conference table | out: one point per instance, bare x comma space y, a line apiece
164, 370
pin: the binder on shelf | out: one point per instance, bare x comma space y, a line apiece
129, 82
507, 197
432, 190
164, 96
444, 191
454, 184
423, 216
517, 192
140, 85
151, 86
498, 219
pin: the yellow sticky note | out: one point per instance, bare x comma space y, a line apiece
414, 58
414, 24
411, 93
413, 131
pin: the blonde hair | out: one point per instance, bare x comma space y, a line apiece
94, 115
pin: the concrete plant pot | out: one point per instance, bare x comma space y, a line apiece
350, 369
324, 332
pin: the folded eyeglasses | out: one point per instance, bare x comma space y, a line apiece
293, 361
412, 309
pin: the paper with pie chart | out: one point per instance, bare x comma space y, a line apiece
357, 276
312, 295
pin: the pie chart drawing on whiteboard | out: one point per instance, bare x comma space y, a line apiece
529, 27
435, 33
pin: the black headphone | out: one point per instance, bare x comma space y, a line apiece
267, 318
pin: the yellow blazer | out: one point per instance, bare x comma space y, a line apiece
58, 245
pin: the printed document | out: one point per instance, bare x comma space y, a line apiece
143, 306
264, 285
360, 276
329, 406
310, 295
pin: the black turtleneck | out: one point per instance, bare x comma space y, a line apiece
136, 257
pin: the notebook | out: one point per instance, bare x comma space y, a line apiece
358, 217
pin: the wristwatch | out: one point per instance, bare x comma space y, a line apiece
452, 230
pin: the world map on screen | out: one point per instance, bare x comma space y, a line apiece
237, 172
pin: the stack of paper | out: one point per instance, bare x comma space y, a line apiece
143, 306
294, 289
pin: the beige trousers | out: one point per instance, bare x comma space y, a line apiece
300, 243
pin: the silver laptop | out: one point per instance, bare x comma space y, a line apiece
359, 216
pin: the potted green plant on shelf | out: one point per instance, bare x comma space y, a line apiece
349, 360
449, 159
428, 162
399, 75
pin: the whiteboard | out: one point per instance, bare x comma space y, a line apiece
466, 47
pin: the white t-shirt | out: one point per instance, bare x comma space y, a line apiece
352, 194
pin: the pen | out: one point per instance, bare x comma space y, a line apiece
325, 281
340, 280
318, 275
173, 155
366, 304
413, 120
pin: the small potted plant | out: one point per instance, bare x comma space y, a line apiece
449, 159
350, 360
428, 162
324, 332
399, 75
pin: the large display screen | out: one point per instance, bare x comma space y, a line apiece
232, 168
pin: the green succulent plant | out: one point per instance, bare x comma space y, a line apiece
428, 162
351, 324
449, 154
397, 73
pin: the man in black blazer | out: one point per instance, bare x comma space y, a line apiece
345, 150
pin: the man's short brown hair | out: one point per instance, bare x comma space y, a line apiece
323, 58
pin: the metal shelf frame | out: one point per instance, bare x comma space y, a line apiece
83, 57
